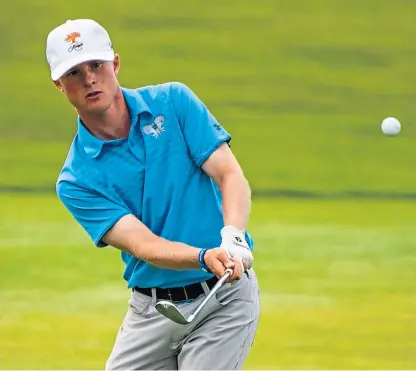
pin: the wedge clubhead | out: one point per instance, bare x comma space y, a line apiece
171, 311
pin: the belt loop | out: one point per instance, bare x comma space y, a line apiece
154, 297
186, 293
205, 287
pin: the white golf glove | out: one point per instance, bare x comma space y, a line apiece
234, 242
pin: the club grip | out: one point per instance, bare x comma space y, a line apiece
228, 272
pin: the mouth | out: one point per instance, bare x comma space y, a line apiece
93, 94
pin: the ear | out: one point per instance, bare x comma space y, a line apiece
116, 63
59, 85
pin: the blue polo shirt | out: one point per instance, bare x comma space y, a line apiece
155, 174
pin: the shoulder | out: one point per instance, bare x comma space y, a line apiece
172, 91
162, 89
74, 163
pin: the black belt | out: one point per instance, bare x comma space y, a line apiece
178, 293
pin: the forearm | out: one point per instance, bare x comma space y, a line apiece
236, 196
165, 254
133, 237
171, 255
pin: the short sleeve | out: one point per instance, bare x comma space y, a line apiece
95, 213
202, 132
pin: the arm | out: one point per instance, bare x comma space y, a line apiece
224, 169
207, 144
132, 236
109, 223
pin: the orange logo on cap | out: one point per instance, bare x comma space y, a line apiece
72, 37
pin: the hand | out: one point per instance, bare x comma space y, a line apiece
234, 242
218, 260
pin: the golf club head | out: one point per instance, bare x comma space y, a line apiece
169, 310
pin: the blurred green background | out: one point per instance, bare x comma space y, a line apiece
303, 87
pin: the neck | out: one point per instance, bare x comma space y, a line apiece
114, 123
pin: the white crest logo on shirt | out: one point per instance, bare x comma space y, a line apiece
156, 127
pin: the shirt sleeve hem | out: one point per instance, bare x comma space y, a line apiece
98, 240
204, 156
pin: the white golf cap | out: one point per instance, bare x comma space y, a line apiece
74, 42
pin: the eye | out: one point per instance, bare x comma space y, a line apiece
72, 73
96, 64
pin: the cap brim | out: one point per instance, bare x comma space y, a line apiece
107, 56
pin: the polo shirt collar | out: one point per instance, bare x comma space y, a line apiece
93, 145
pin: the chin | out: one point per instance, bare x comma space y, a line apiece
97, 107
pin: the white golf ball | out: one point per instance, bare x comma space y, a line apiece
390, 126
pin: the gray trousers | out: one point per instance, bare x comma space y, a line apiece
219, 338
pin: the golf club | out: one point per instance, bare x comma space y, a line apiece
171, 311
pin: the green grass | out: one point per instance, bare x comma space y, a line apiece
338, 286
302, 85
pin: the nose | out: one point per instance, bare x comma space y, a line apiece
89, 77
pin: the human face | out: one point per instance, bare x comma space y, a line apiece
91, 87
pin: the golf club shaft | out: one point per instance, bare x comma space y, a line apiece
220, 282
